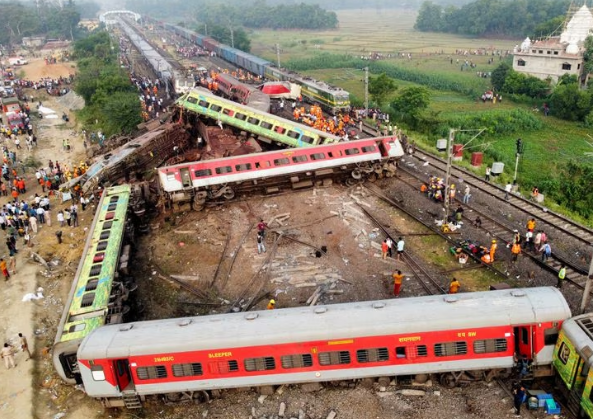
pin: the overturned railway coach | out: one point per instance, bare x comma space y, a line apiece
273, 171
478, 334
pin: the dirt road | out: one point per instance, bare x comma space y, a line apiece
19, 386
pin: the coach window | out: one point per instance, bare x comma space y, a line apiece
95, 270
224, 367
203, 172
91, 285
281, 162
88, 299
400, 352
486, 346
351, 151
192, 99
421, 350
450, 348
228, 112
525, 335
369, 149
266, 125
318, 156
242, 167
550, 336
98, 373
240, 116
307, 139
187, 370
293, 134
151, 373
224, 169
372, 355
564, 353
203, 103
279, 130
260, 364
296, 361
253, 121
215, 108
334, 358
299, 159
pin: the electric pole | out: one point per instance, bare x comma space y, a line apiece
366, 91
447, 190
587, 291
278, 54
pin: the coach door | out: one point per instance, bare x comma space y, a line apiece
524, 341
122, 373
185, 178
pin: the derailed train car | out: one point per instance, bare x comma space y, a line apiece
470, 336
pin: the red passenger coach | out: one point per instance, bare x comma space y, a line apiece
271, 171
477, 333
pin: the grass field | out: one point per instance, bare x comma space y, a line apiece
365, 31
391, 31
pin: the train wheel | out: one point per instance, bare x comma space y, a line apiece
198, 206
228, 194
384, 381
201, 396
356, 174
351, 182
367, 382
372, 177
448, 380
173, 397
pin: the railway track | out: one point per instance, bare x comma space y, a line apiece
575, 275
430, 285
535, 210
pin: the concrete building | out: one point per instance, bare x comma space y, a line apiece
557, 55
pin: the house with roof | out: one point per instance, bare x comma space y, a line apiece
556, 56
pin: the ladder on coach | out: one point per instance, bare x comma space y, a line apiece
131, 399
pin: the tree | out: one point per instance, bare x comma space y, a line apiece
429, 17
499, 76
122, 112
570, 102
223, 34
549, 27
588, 60
411, 102
380, 87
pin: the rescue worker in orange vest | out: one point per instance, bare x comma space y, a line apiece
493, 250
531, 225
423, 188
271, 305
515, 251
454, 286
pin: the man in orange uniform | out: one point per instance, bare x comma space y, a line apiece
384, 249
454, 286
515, 251
493, 250
397, 282
271, 305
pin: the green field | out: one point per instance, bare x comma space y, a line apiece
391, 31
365, 31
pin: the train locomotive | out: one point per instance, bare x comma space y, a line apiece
573, 362
461, 337
270, 172
331, 99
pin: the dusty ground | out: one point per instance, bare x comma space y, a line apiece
20, 387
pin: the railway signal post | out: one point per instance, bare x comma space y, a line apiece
520, 148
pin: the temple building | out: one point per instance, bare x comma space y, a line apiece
557, 55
